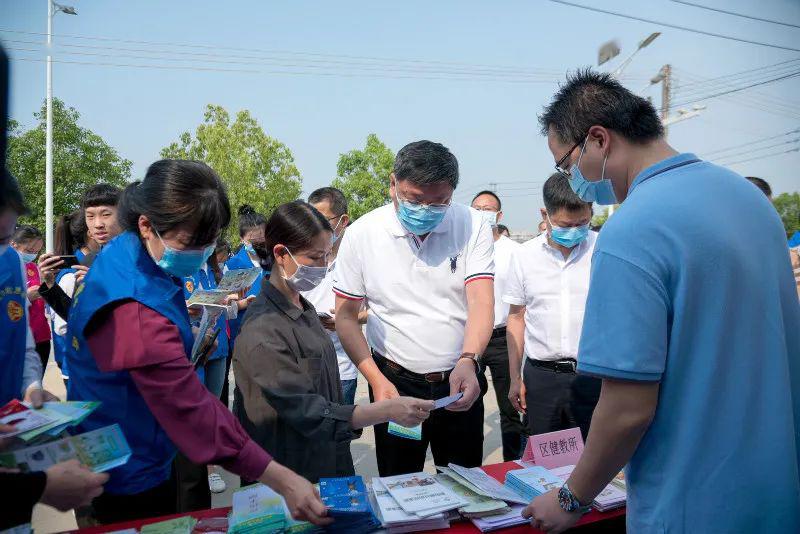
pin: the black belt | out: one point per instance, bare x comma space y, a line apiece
399, 370
500, 331
567, 365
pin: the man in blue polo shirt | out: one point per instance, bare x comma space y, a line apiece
691, 321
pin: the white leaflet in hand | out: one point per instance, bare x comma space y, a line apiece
447, 401
488, 486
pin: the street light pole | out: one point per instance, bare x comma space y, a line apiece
48, 158
52, 9
650, 38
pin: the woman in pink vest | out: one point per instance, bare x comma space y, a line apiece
27, 241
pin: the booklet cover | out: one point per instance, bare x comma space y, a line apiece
179, 525
101, 450
64, 415
420, 492
477, 505
488, 486
256, 508
236, 280
23, 418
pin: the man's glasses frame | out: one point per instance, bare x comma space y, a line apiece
559, 165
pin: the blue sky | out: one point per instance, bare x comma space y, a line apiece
489, 124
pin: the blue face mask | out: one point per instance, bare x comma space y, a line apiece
181, 263
27, 257
419, 219
568, 237
601, 191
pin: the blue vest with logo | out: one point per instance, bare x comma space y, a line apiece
241, 260
204, 279
13, 326
124, 271
60, 343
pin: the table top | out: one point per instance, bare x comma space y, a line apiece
497, 471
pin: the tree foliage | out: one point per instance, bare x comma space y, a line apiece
788, 206
363, 176
257, 169
81, 159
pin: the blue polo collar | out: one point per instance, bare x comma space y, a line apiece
663, 166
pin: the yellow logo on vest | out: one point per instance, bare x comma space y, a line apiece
190, 286
75, 343
15, 311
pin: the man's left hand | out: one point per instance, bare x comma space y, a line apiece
37, 396
546, 514
465, 379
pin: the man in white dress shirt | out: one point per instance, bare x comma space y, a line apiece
495, 358
547, 287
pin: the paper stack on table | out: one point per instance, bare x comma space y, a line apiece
394, 519
179, 525
487, 486
421, 494
348, 504
532, 481
101, 450
496, 522
256, 508
612, 497
479, 505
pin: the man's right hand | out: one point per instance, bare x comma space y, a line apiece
49, 264
384, 390
70, 485
409, 411
516, 394
302, 499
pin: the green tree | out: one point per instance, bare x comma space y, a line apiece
788, 206
81, 159
363, 176
257, 169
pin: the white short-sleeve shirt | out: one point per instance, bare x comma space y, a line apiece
323, 299
503, 250
553, 291
416, 289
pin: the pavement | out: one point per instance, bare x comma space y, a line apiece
48, 520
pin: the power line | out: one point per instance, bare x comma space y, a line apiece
732, 13
742, 75
737, 89
762, 157
675, 26
682, 73
754, 142
734, 156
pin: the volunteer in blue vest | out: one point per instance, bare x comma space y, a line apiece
65, 485
692, 323
425, 266
130, 331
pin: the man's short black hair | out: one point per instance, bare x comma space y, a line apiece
558, 194
503, 229
761, 184
101, 195
592, 98
332, 196
426, 162
491, 193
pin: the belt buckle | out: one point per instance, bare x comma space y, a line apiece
571, 366
431, 377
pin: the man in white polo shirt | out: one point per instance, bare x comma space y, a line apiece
495, 357
547, 287
425, 265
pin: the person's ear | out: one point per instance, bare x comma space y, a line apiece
543, 211
601, 136
392, 186
499, 216
145, 227
345, 220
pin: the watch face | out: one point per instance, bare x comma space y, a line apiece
566, 500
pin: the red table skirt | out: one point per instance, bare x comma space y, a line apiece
613, 521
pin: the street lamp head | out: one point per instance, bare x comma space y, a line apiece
650, 38
607, 52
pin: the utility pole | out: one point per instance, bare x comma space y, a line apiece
666, 94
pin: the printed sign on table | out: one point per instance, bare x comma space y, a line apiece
554, 449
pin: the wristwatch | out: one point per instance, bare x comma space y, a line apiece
569, 502
474, 357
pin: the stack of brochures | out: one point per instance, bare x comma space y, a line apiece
532, 481
394, 519
179, 525
479, 505
256, 508
612, 497
422, 494
100, 450
348, 504
496, 522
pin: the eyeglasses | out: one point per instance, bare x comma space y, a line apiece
562, 170
420, 204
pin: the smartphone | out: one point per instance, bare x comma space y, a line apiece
69, 261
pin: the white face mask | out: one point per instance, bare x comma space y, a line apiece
490, 217
306, 277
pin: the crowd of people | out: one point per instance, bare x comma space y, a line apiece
671, 337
